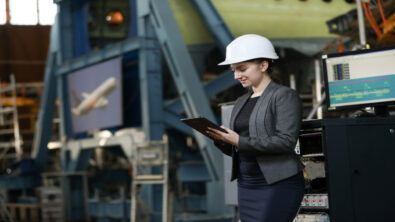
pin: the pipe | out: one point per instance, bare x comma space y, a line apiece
318, 87
361, 25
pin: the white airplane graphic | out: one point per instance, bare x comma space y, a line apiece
96, 99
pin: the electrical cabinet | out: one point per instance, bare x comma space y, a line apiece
359, 168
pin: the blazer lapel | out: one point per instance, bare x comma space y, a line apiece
260, 106
237, 108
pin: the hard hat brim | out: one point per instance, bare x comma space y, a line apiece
225, 63
228, 62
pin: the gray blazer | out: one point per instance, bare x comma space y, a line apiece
274, 129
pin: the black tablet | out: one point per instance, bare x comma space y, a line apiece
201, 124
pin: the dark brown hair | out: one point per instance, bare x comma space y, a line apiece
269, 70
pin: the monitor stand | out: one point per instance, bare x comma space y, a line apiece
381, 111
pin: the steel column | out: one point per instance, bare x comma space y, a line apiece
47, 106
150, 72
222, 35
150, 75
80, 14
361, 24
186, 78
65, 32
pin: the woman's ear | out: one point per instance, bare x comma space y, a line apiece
264, 66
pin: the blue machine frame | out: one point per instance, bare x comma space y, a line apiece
69, 50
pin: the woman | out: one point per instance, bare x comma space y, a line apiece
264, 128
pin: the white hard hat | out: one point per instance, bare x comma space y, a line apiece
247, 47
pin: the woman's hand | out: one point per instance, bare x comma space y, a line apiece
231, 137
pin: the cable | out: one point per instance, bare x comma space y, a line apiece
383, 16
373, 20
328, 46
340, 47
370, 18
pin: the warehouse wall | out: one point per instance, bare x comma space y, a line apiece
23, 52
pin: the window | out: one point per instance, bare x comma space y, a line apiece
23, 12
2, 12
28, 12
47, 11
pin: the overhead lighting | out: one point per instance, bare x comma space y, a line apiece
114, 18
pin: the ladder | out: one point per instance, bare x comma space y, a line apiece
145, 156
4, 213
10, 137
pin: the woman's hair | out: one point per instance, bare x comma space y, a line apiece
269, 70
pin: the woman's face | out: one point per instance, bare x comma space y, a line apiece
249, 74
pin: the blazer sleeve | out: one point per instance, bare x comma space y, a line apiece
225, 148
287, 119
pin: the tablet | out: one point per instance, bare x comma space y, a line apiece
201, 124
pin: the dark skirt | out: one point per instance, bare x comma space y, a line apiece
261, 202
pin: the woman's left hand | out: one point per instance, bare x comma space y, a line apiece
231, 137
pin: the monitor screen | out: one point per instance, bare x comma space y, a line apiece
360, 78
95, 96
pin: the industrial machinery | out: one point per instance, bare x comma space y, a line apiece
341, 155
353, 151
379, 17
11, 142
77, 146
138, 162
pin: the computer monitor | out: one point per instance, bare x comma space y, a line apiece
360, 78
95, 96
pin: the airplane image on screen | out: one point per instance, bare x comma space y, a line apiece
95, 100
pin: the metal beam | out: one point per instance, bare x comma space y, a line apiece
173, 120
211, 88
44, 121
65, 31
222, 35
214, 22
185, 77
150, 74
80, 13
107, 52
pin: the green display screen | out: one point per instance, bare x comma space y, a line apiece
364, 78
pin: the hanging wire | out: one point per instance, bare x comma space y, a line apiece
383, 15
371, 19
